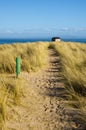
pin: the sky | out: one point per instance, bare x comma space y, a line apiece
42, 18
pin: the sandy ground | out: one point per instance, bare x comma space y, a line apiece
44, 105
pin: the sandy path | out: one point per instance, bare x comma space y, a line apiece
45, 99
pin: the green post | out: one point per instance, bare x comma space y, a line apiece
17, 66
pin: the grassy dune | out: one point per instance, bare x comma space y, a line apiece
73, 61
32, 58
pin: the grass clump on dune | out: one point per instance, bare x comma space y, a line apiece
11, 92
73, 61
32, 56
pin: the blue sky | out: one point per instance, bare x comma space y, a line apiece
42, 18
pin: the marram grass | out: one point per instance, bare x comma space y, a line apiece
73, 61
32, 56
11, 91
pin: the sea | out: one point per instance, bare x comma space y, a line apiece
24, 40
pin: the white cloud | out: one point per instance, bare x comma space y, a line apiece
9, 31
72, 29
65, 29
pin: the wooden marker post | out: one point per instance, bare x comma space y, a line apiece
17, 66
